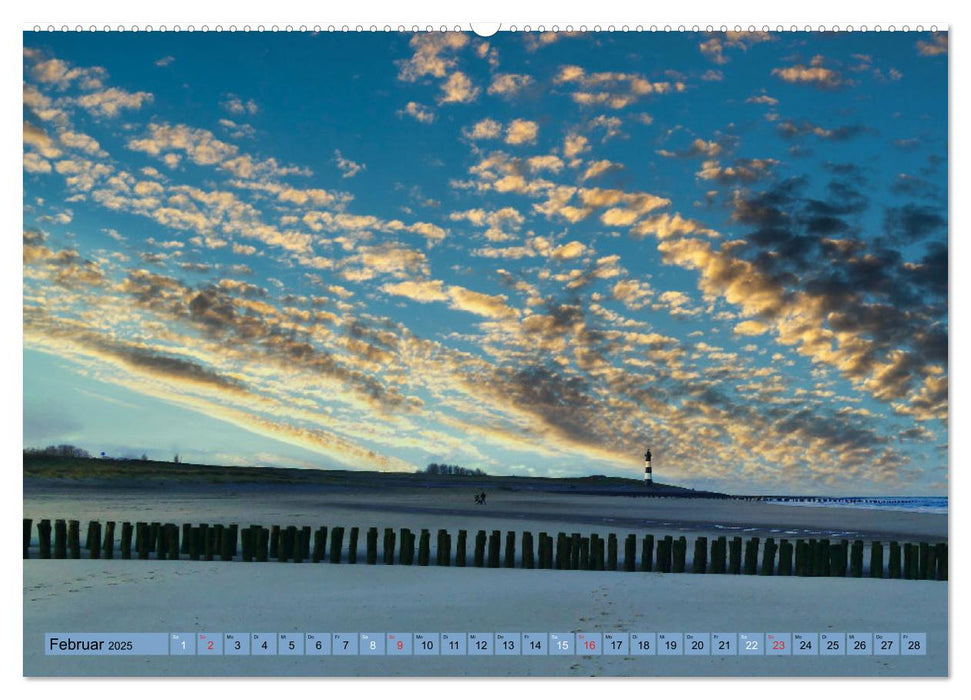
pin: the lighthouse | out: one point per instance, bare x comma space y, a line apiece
648, 477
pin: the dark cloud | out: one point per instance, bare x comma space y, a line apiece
912, 186
196, 267
811, 427
790, 229
790, 129
264, 336
66, 266
153, 258
866, 286
906, 144
930, 273
156, 363
916, 433
848, 171
913, 222
797, 151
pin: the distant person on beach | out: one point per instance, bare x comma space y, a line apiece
480, 498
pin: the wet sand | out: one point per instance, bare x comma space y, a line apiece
518, 510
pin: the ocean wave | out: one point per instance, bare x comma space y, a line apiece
910, 504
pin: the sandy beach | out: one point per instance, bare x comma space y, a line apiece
186, 596
213, 597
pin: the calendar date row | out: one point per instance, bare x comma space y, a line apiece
627, 644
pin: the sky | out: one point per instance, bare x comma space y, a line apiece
532, 254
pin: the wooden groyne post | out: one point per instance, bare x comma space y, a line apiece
44, 538
768, 558
407, 547
630, 552
60, 539
573, 545
320, 545
528, 562
371, 557
647, 553
74, 538
263, 544
444, 553
856, 559
751, 556
735, 556
876, 560
585, 560
611, 552
108, 546
274, 542
941, 548
664, 553
461, 545
352, 546
94, 530
296, 536
923, 552
336, 545
423, 548
837, 558
785, 557
126, 535
494, 545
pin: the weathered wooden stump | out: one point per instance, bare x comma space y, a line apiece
352, 546
44, 538
108, 546
699, 562
460, 546
60, 539
126, 537
647, 553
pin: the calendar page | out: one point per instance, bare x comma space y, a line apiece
513, 349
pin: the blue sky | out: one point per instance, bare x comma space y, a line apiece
529, 254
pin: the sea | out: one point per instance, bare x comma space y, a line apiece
912, 504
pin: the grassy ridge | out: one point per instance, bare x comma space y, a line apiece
118, 472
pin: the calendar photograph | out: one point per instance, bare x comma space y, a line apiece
445, 352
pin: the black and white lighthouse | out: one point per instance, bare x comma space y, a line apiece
648, 477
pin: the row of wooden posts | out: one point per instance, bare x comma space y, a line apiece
813, 557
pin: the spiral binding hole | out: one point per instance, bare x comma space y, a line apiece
597, 28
